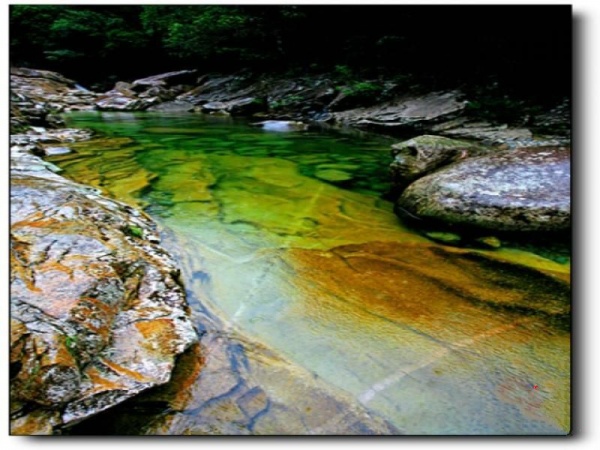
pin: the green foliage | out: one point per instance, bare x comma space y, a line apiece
343, 73
361, 89
77, 39
285, 102
70, 342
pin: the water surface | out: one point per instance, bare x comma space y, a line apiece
287, 238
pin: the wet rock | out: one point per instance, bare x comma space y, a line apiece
53, 151
229, 386
488, 133
239, 106
214, 107
514, 190
97, 312
281, 125
159, 93
25, 72
165, 79
504, 136
50, 90
210, 90
124, 88
417, 113
422, 155
174, 106
148, 92
116, 101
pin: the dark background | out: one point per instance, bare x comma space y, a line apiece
523, 51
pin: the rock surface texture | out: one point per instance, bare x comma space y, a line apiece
409, 114
50, 90
422, 155
147, 92
514, 190
97, 310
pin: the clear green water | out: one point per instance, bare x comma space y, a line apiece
260, 220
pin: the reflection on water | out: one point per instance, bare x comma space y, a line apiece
286, 237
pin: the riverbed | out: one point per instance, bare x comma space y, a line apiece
287, 238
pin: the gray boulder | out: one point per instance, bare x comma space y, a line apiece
526, 189
97, 311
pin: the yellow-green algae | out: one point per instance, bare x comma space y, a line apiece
439, 340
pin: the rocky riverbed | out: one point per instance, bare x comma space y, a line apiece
98, 312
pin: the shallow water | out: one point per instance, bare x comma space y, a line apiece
285, 236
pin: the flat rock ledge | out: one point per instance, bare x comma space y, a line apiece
98, 313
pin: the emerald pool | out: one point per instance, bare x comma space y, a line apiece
287, 238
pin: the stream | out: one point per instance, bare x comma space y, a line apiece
286, 238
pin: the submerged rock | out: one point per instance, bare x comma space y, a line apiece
444, 237
489, 242
333, 175
53, 151
522, 190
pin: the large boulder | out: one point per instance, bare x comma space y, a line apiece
422, 155
97, 310
519, 190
